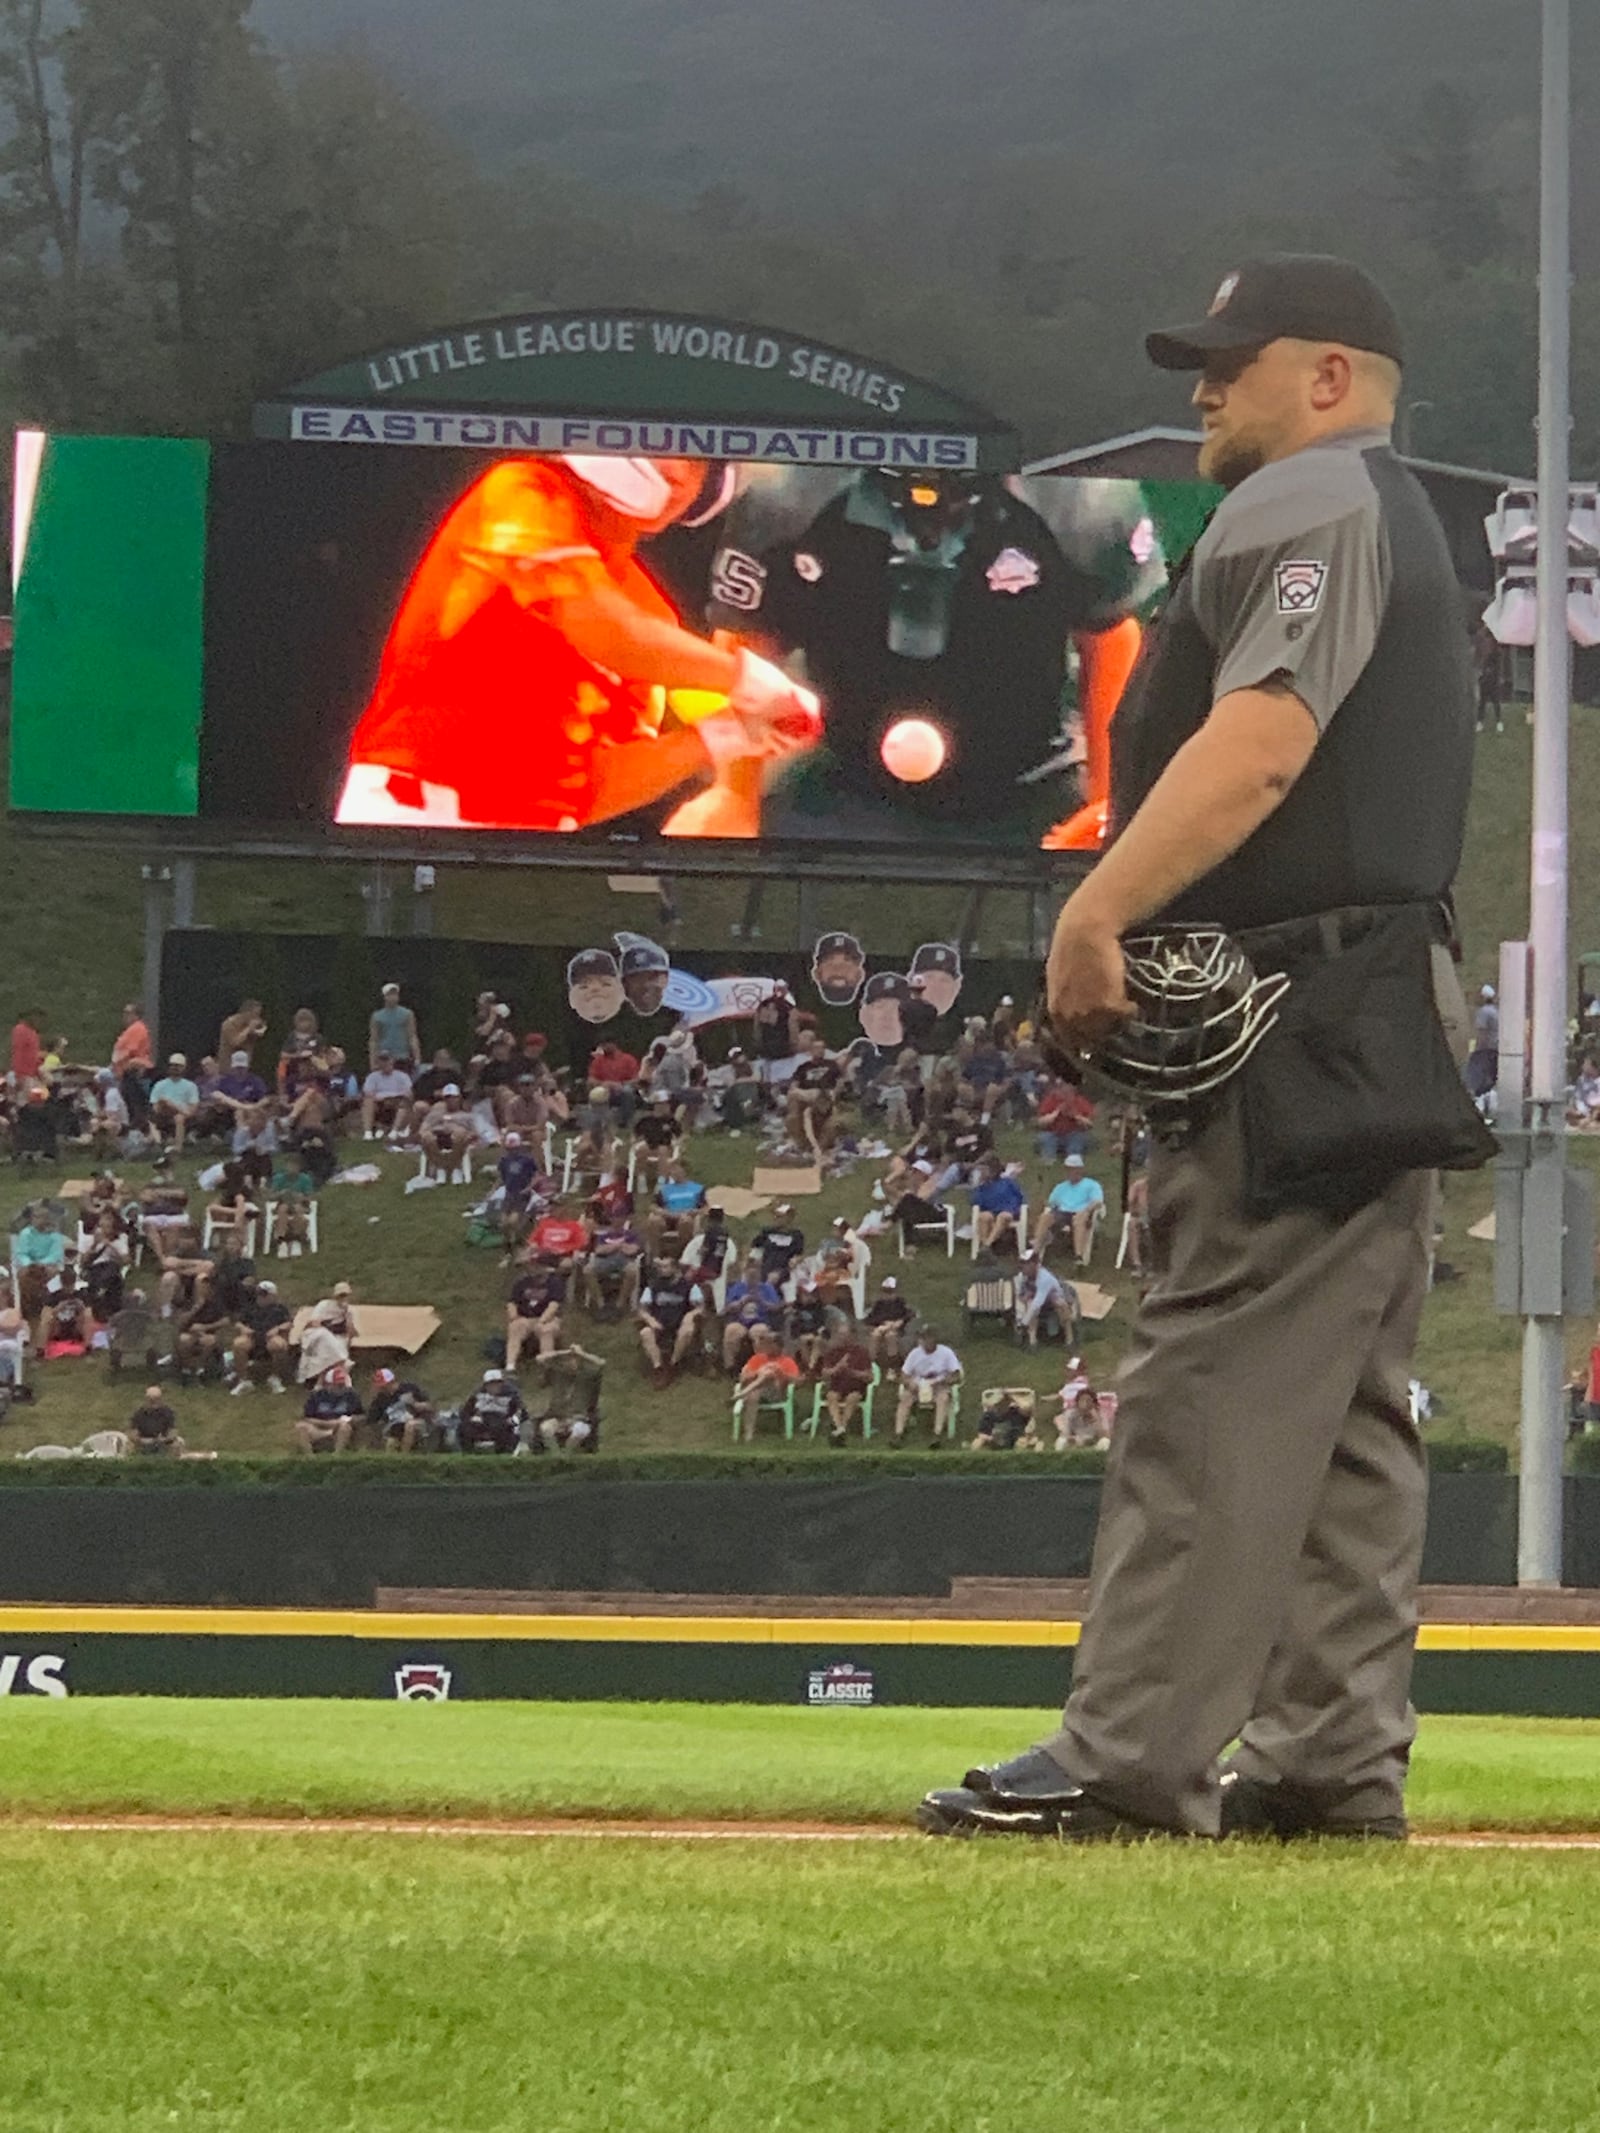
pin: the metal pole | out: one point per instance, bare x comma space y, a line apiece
1543, 1427
157, 882
183, 893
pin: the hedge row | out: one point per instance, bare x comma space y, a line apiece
1448, 1455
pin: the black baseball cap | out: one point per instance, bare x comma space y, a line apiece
837, 944
936, 955
644, 955
591, 963
885, 985
1303, 296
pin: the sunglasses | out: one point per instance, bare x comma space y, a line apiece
1224, 366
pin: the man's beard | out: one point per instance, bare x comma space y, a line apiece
1232, 460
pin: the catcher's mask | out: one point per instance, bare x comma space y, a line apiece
1199, 1011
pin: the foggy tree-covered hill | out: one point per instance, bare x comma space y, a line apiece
1079, 167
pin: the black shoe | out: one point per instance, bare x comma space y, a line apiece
1030, 1796
836, 1437
1253, 1807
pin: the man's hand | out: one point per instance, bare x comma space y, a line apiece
1085, 984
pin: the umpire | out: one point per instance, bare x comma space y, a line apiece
1291, 764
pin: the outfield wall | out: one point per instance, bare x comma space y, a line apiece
296, 1546
1503, 1668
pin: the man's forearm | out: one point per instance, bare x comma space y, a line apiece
1218, 789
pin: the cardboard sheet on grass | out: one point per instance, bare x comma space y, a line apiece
1094, 1302
779, 1183
1484, 1230
406, 1327
738, 1202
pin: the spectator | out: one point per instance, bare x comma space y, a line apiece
298, 1052
133, 1062
494, 1418
447, 1132
495, 1077
1064, 1120
846, 1370
779, 1244
919, 1018
1076, 1205
332, 1410
998, 1202
262, 1339
888, 1316
105, 1265
534, 1312
517, 1189
38, 1251
1137, 1209
707, 1255
776, 1032
14, 1341
436, 1077
232, 1275
205, 1334
807, 1324
240, 1089
559, 1239
1044, 1303
174, 1101
613, 1201
392, 1034
567, 1398
613, 1073
153, 1427
490, 1017
590, 1158
743, 1099
386, 1100
1006, 1425
241, 1032
324, 1344
108, 1119
765, 1377
671, 1311
751, 1303
400, 1416
808, 1116
928, 1375
611, 1272
66, 1322
135, 1334
1083, 1422
670, 1223
27, 1052
656, 1136
213, 1116
1483, 1061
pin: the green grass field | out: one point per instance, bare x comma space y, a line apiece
182, 1756
237, 1983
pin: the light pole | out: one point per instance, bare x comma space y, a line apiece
1543, 1359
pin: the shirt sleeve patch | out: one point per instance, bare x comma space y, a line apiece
1297, 585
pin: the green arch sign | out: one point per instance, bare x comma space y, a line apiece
661, 383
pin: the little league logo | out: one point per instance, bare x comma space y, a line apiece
416, 1683
1299, 586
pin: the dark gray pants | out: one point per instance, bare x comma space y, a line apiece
1255, 1569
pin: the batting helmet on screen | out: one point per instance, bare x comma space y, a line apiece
1199, 1011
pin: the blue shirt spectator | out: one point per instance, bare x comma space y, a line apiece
999, 1196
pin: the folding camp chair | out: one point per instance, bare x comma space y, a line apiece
819, 1406
940, 1221
990, 1299
784, 1406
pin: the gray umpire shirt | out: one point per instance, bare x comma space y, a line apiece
1328, 571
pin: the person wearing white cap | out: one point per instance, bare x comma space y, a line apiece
1483, 1061
174, 1100
447, 1131
263, 1336
888, 1316
494, 1418
1077, 1204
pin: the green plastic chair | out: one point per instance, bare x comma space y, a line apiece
814, 1419
784, 1407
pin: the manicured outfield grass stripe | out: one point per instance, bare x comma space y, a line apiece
187, 1756
235, 1985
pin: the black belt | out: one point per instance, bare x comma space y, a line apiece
1328, 933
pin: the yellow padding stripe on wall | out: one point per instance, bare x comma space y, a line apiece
665, 1629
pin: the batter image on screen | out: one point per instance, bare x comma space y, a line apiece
537, 677
935, 613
